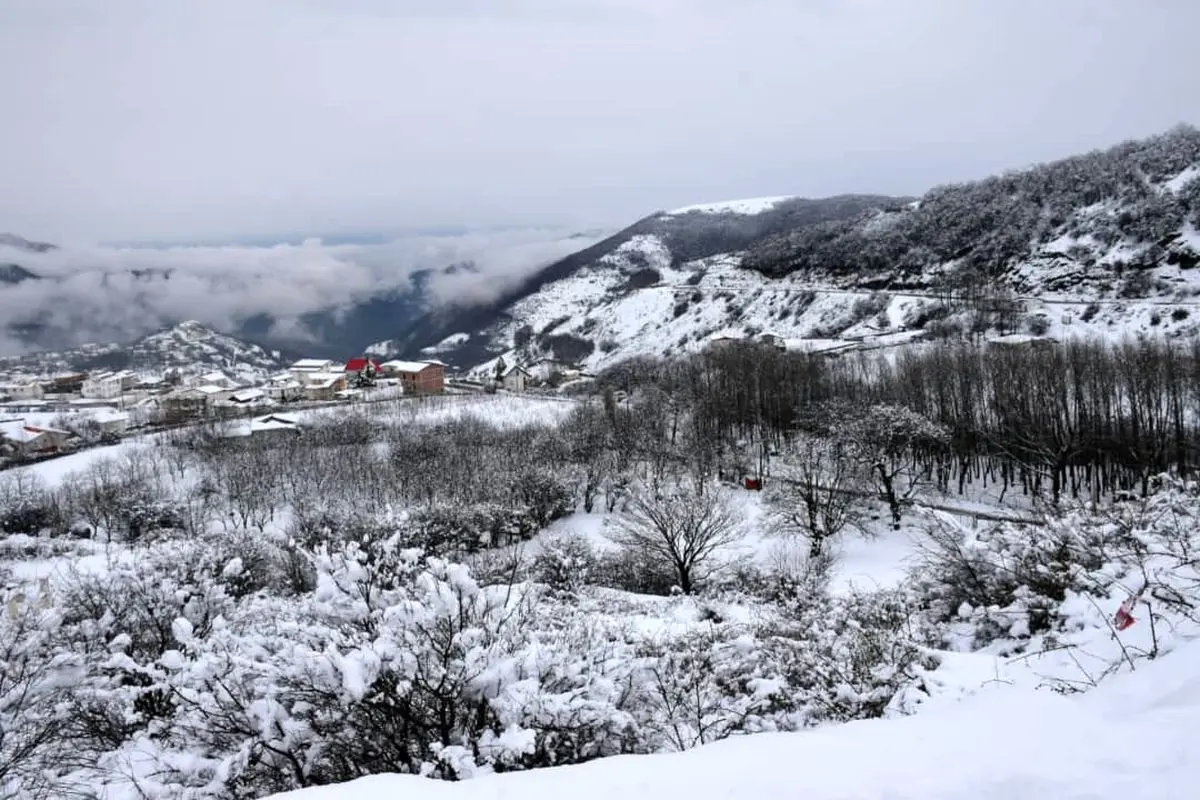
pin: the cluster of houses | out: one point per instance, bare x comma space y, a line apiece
109, 402
309, 380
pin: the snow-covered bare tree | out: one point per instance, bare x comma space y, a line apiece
680, 524
889, 440
817, 491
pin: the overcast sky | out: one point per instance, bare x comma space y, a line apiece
217, 119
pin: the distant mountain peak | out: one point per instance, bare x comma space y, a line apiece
15, 273
21, 243
747, 206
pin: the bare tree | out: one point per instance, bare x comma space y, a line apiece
888, 440
679, 524
818, 491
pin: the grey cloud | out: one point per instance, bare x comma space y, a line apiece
139, 119
95, 293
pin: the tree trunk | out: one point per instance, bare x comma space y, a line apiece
889, 493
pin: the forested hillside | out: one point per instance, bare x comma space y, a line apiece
1139, 193
1117, 227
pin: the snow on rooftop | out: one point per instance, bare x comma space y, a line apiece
749, 206
408, 366
246, 395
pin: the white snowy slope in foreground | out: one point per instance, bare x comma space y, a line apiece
1133, 738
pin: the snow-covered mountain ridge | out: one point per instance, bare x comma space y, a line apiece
188, 347
1105, 242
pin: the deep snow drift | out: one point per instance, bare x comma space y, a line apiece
1131, 738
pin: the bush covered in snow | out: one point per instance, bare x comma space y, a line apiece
202, 670
1012, 584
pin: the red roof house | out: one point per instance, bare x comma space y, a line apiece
359, 364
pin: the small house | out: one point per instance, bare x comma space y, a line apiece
417, 377
215, 379
274, 423
516, 378
22, 391
69, 383
269, 426
184, 404
102, 386
324, 386
284, 389
772, 340
304, 369
111, 423
27, 441
723, 341
248, 397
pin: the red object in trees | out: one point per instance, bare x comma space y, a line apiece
754, 484
1124, 616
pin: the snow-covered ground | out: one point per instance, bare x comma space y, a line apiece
991, 721
501, 410
1131, 739
54, 470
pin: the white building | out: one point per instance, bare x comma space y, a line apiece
107, 385
214, 379
214, 394
304, 369
112, 422
22, 391
284, 388
249, 397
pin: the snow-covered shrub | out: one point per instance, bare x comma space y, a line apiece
453, 530
1013, 582
636, 571
137, 602
709, 685
155, 518
1009, 578
566, 563
392, 666
244, 563
544, 495
36, 683
27, 505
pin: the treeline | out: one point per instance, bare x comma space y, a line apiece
1081, 418
988, 224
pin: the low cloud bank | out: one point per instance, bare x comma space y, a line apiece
109, 293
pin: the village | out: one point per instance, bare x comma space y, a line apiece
45, 417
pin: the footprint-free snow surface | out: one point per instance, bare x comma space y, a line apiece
1132, 738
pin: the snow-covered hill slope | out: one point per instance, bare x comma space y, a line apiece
190, 348
1106, 242
629, 259
1130, 739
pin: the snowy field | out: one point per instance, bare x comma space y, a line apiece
501, 410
